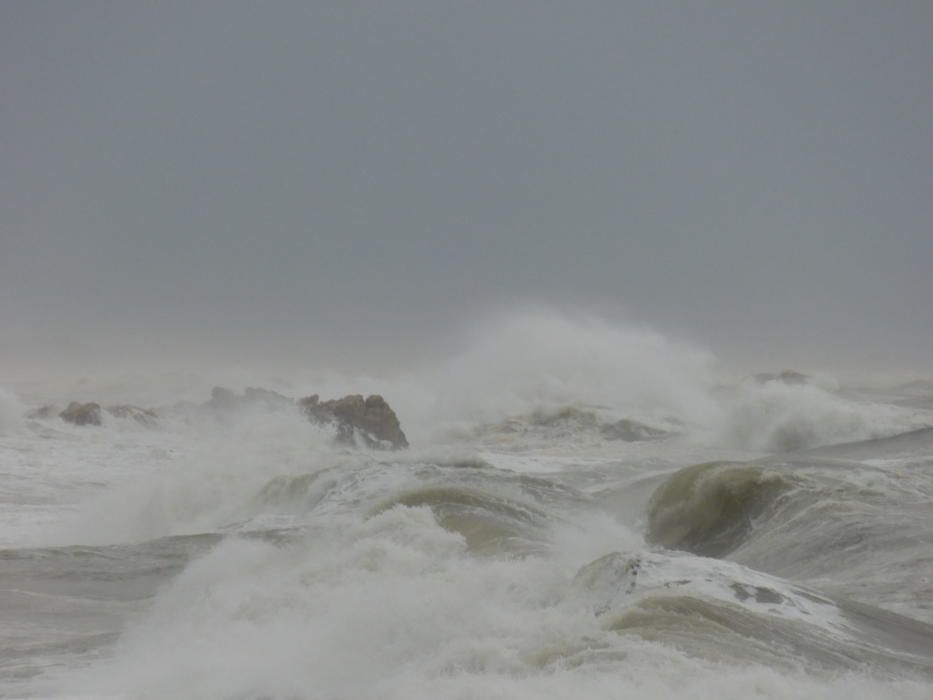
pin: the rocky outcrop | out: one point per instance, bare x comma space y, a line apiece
629, 430
568, 418
574, 421
82, 413
143, 416
91, 413
222, 398
370, 421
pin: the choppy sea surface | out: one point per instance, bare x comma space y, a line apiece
584, 512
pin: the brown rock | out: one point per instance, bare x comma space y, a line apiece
82, 413
371, 420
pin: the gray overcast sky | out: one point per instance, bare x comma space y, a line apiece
342, 180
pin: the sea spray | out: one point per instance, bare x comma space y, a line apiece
11, 411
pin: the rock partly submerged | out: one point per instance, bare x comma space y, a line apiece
82, 413
91, 413
367, 422
370, 421
145, 416
570, 421
629, 430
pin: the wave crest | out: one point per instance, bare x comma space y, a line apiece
488, 523
709, 509
776, 417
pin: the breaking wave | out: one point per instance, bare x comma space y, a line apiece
776, 417
709, 509
488, 523
241, 554
540, 361
555, 374
685, 601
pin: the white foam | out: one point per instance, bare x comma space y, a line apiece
538, 358
619, 580
776, 417
394, 607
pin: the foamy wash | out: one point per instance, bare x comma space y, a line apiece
585, 510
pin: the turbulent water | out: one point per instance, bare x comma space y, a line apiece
586, 511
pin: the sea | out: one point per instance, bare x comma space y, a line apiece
586, 510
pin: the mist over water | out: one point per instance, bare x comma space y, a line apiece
11, 411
